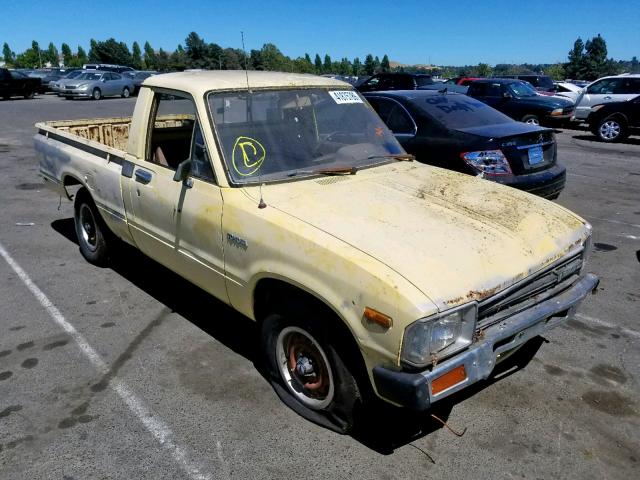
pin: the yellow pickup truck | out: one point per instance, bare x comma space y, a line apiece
286, 197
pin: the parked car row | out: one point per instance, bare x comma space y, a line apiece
14, 83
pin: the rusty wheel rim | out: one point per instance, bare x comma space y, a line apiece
304, 367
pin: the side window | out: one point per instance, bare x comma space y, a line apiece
395, 116
200, 163
495, 89
172, 126
606, 86
115, 76
629, 86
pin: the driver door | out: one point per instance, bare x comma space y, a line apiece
178, 223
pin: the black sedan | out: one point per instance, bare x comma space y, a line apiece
611, 122
460, 133
520, 101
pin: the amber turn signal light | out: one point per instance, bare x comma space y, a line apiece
378, 318
448, 380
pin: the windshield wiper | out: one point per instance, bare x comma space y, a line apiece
402, 157
326, 171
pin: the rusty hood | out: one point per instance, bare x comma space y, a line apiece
457, 238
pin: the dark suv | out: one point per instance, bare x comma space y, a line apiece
396, 81
520, 101
541, 83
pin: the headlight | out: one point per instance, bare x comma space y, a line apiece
83, 87
557, 111
492, 162
439, 336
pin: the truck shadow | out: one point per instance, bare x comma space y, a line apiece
381, 427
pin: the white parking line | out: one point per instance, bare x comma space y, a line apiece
597, 321
154, 424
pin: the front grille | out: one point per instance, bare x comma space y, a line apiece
546, 284
69, 87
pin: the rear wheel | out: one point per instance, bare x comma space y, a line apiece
307, 369
96, 94
611, 130
531, 120
29, 94
94, 237
125, 93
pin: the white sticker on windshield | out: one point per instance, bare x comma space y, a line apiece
345, 96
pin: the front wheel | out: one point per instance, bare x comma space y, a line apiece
531, 120
307, 370
611, 130
97, 94
125, 93
93, 234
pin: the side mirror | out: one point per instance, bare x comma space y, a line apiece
183, 171
506, 95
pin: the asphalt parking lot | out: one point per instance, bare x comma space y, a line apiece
129, 372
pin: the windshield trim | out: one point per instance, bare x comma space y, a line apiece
220, 151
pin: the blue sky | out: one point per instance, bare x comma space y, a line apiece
442, 32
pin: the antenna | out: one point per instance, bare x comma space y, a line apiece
261, 203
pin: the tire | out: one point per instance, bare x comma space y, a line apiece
29, 95
531, 120
125, 92
96, 94
94, 237
327, 393
611, 129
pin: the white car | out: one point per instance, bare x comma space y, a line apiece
607, 89
568, 90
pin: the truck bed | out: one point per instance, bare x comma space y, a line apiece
111, 132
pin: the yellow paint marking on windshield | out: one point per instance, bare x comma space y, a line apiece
252, 153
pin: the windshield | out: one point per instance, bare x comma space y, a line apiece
74, 74
275, 135
521, 89
20, 75
90, 76
459, 111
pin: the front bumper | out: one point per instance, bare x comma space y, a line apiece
75, 93
414, 390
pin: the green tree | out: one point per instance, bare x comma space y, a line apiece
93, 55
197, 50
595, 64
575, 66
150, 58
81, 57
162, 61
214, 57
178, 60
634, 65
326, 66
110, 51
369, 65
67, 55
384, 64
376, 65
51, 55
8, 55
356, 68
556, 71
318, 64
231, 60
483, 70
136, 56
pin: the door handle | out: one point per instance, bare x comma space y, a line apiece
142, 176
607, 97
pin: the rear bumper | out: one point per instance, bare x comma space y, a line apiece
414, 390
546, 183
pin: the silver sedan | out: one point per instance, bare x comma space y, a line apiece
97, 84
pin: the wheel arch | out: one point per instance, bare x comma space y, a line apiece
270, 291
